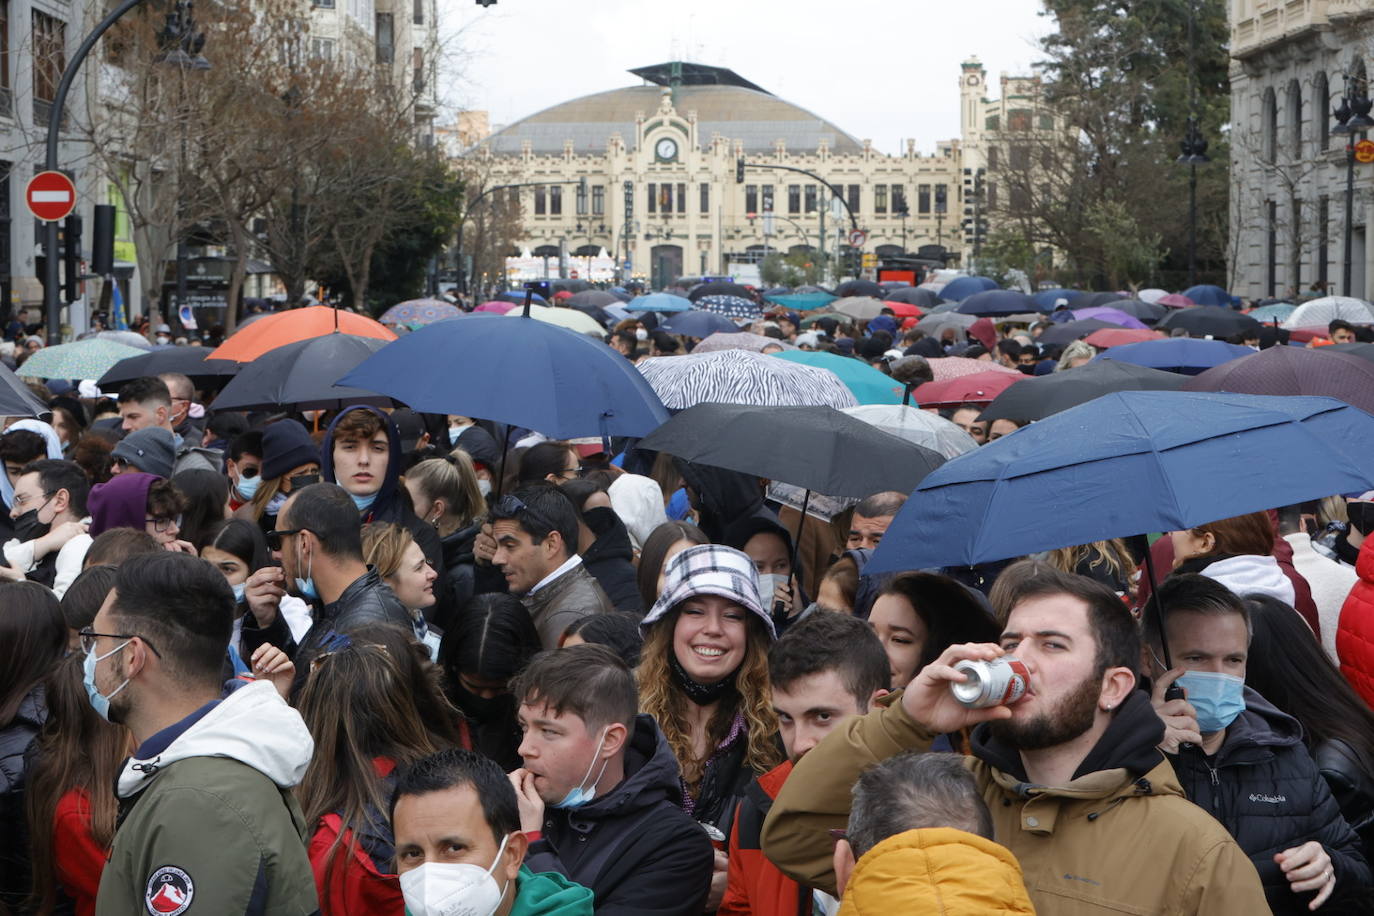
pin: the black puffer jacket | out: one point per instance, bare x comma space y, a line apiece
610, 559
1268, 793
366, 600
457, 578
634, 847
1351, 784
15, 740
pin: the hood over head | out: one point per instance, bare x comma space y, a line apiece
1251, 574
50, 440
120, 503
638, 501
385, 506
720, 496
651, 776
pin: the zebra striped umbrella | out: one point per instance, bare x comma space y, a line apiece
742, 377
741, 341
736, 308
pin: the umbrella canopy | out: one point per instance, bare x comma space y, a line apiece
600, 315
499, 308
915, 295
997, 302
569, 285
593, 297
860, 288
957, 367
921, 427
819, 448
934, 325
518, 297
191, 362
978, 388
742, 377
1172, 460
1094, 300
659, 302
128, 338
1183, 355
1362, 350
536, 375
740, 340
718, 288
1070, 331
1209, 321
960, 288
1295, 371
1142, 311
1327, 309
869, 385
903, 309
1279, 311
698, 324
83, 359
416, 313
1046, 298
1206, 294
572, 319
1152, 295
1046, 395
1175, 301
802, 302
16, 400
1108, 313
302, 375
860, 308
277, 330
736, 308
1116, 337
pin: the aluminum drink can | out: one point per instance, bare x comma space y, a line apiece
1000, 682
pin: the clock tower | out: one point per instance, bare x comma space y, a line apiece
972, 91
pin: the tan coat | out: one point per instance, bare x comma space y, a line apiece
1105, 843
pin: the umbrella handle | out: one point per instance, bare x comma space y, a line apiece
1152, 607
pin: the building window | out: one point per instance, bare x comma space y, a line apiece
418, 61
555, 201
705, 197
598, 200
794, 199
1020, 198
5, 59
899, 199
582, 198
1271, 126
386, 39
419, 13
1271, 280
1295, 243
853, 192
1018, 157
992, 195
540, 204
1295, 119
994, 155
325, 4
665, 198
941, 198
767, 198
1323, 238
1321, 95
1019, 120
1047, 122
811, 198
880, 198
923, 198
322, 49
751, 198
653, 198
993, 122
49, 55
682, 198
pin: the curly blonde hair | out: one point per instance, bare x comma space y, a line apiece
751, 696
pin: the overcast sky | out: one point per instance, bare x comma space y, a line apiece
885, 70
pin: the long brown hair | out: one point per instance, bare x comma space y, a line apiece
750, 696
1113, 554
77, 749
33, 637
375, 695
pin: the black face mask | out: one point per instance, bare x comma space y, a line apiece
302, 480
1361, 516
27, 526
600, 520
484, 710
699, 693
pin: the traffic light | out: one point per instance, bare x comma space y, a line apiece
739, 170
102, 241
71, 259
486, 2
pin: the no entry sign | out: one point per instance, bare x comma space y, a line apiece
51, 196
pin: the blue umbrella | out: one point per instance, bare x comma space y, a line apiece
519, 371
1129, 463
697, 324
1278, 311
1185, 355
736, 307
992, 302
518, 296
960, 288
659, 302
1045, 299
802, 302
1206, 294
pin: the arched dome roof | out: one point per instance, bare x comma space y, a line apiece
755, 117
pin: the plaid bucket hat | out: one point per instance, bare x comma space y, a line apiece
710, 569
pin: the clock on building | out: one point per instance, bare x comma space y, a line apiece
971, 79
666, 149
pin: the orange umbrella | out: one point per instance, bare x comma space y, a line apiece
283, 328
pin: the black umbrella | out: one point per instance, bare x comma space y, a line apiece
16, 400
1070, 331
860, 288
596, 297
1209, 321
1040, 397
719, 288
1092, 300
189, 361
1145, 312
915, 295
596, 312
302, 375
1362, 350
818, 448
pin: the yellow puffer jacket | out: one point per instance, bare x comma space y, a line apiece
938, 871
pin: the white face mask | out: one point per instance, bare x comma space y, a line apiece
768, 584
453, 889
484, 487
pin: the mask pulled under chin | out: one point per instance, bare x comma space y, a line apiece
699, 693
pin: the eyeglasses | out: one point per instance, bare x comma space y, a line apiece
162, 524
276, 538
511, 506
21, 501
89, 636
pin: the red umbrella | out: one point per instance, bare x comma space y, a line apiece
958, 366
1305, 335
1176, 301
904, 309
1110, 337
980, 388
282, 328
1294, 371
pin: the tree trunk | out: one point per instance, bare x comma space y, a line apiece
239, 238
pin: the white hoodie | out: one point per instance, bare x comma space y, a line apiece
1251, 574
252, 725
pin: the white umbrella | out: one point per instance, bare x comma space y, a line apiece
1151, 295
917, 426
1327, 309
742, 377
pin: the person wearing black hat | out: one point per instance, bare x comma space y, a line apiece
290, 460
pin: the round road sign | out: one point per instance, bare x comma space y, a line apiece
857, 238
1364, 151
50, 196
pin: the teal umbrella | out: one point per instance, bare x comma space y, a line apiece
801, 302
868, 385
659, 302
1279, 311
90, 358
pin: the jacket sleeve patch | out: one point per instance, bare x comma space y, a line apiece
169, 892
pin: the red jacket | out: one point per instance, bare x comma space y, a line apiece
77, 858
755, 886
1355, 635
355, 884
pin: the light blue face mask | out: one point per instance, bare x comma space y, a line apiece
454, 432
1218, 698
248, 486
306, 587
239, 591
99, 702
578, 796
363, 502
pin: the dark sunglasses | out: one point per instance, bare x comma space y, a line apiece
512, 506
276, 539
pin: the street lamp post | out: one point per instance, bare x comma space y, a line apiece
1352, 118
1193, 149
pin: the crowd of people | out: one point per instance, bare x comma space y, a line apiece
374, 661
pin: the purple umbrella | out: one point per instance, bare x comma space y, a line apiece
1294, 370
1106, 313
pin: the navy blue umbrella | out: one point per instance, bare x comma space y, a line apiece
1185, 355
1129, 463
1207, 294
524, 372
697, 323
1046, 298
992, 302
960, 288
